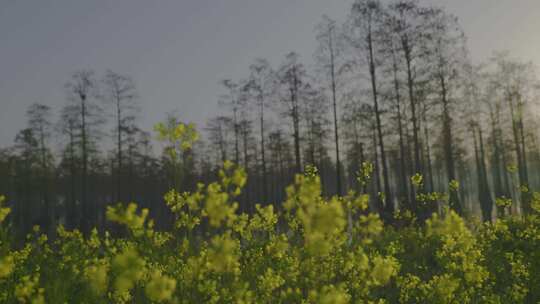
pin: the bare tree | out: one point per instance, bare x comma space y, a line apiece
517, 86
261, 85
232, 100
329, 56
81, 90
366, 25
292, 77
409, 23
447, 58
392, 69
119, 92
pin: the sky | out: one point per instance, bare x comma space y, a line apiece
177, 51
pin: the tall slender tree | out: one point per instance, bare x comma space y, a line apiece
409, 24
81, 92
366, 19
262, 85
447, 58
292, 77
393, 70
329, 56
120, 93
234, 102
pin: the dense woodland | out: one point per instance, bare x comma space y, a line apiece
391, 170
392, 86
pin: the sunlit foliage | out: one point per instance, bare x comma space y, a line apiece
305, 253
310, 249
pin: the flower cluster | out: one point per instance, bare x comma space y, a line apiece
310, 249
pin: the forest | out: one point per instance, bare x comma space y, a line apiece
393, 170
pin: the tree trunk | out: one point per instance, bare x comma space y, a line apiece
414, 120
334, 103
449, 146
236, 139
119, 151
403, 170
263, 148
526, 197
72, 211
519, 150
431, 184
389, 203
296, 123
486, 200
377, 176
85, 216
496, 159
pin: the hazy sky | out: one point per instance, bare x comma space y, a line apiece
178, 50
